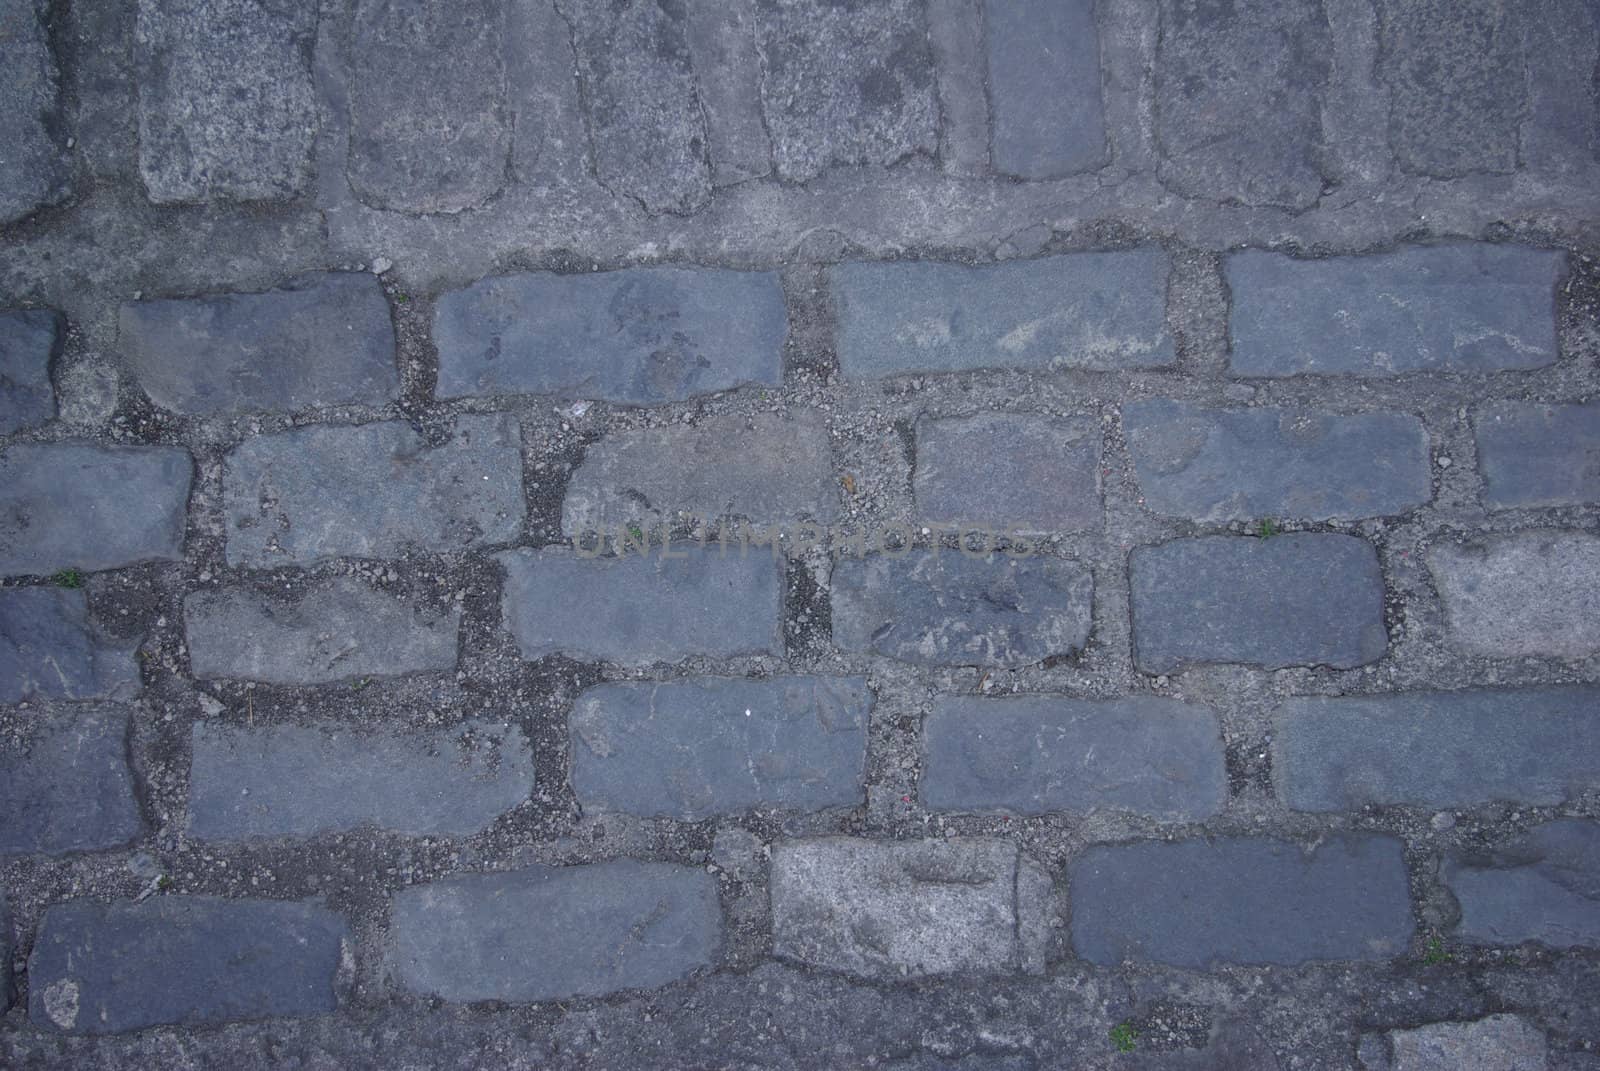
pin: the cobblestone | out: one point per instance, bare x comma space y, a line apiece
35, 168
1529, 594
65, 784
1003, 469
1538, 455
49, 650
1493, 1043
1544, 888
1044, 87
29, 339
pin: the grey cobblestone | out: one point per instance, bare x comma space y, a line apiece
48, 649
1538, 455
29, 339
722, 38
1544, 888
1528, 594
1494, 1043
34, 170
1044, 87
1003, 469
5, 953
65, 784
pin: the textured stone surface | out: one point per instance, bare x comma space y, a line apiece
34, 167
48, 649
711, 746
1036, 754
1528, 594
1245, 900
947, 608
1448, 308
5, 953
429, 126
29, 339
1082, 310
1538, 455
640, 335
90, 507
1000, 470
1220, 465
226, 106
1494, 1043
372, 491
550, 932
1302, 599
908, 908
1438, 749
639, 610
324, 339
722, 38
301, 780
1544, 888
1239, 96
105, 968
65, 785
1044, 87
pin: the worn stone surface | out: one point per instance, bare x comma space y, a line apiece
961, 72
1239, 94
640, 335
430, 130
1000, 470
1082, 310
321, 340
49, 650
1037, 754
226, 106
944, 607
1303, 599
34, 169
90, 507
391, 491
65, 785
1544, 888
1220, 465
29, 339
1044, 87
908, 908
722, 38
1538, 455
1245, 900
711, 746
104, 968
1447, 308
549, 932
1529, 594
1438, 749
1494, 1043
5, 953
301, 780
640, 610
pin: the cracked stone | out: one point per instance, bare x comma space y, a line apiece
1544, 888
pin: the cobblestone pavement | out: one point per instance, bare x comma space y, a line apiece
778, 534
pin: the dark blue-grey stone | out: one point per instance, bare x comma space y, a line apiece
1538, 746
1244, 900
29, 339
1219, 465
1304, 599
1044, 87
711, 746
1544, 888
91, 507
35, 167
640, 335
321, 340
1037, 754
946, 608
549, 932
49, 651
1534, 455
1448, 308
181, 960
65, 786
1081, 310
1005, 470
5, 954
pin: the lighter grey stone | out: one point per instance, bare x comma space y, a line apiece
29, 339
722, 44
48, 650
65, 785
1538, 455
1495, 1043
1003, 470
1529, 594
34, 168
1544, 888
1044, 87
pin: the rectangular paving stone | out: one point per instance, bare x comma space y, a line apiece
1243, 900
372, 491
722, 38
1544, 888
65, 785
1493, 1043
640, 610
1004, 470
909, 909
91, 507
1447, 308
550, 932
1537, 746
5, 954
49, 649
711, 746
1303, 599
29, 340
339, 629
1080, 310
1534, 455
640, 335
1219, 465
961, 73
949, 608
1044, 87
1037, 754
35, 168
324, 339
1530, 594
302, 780
182, 961
226, 106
